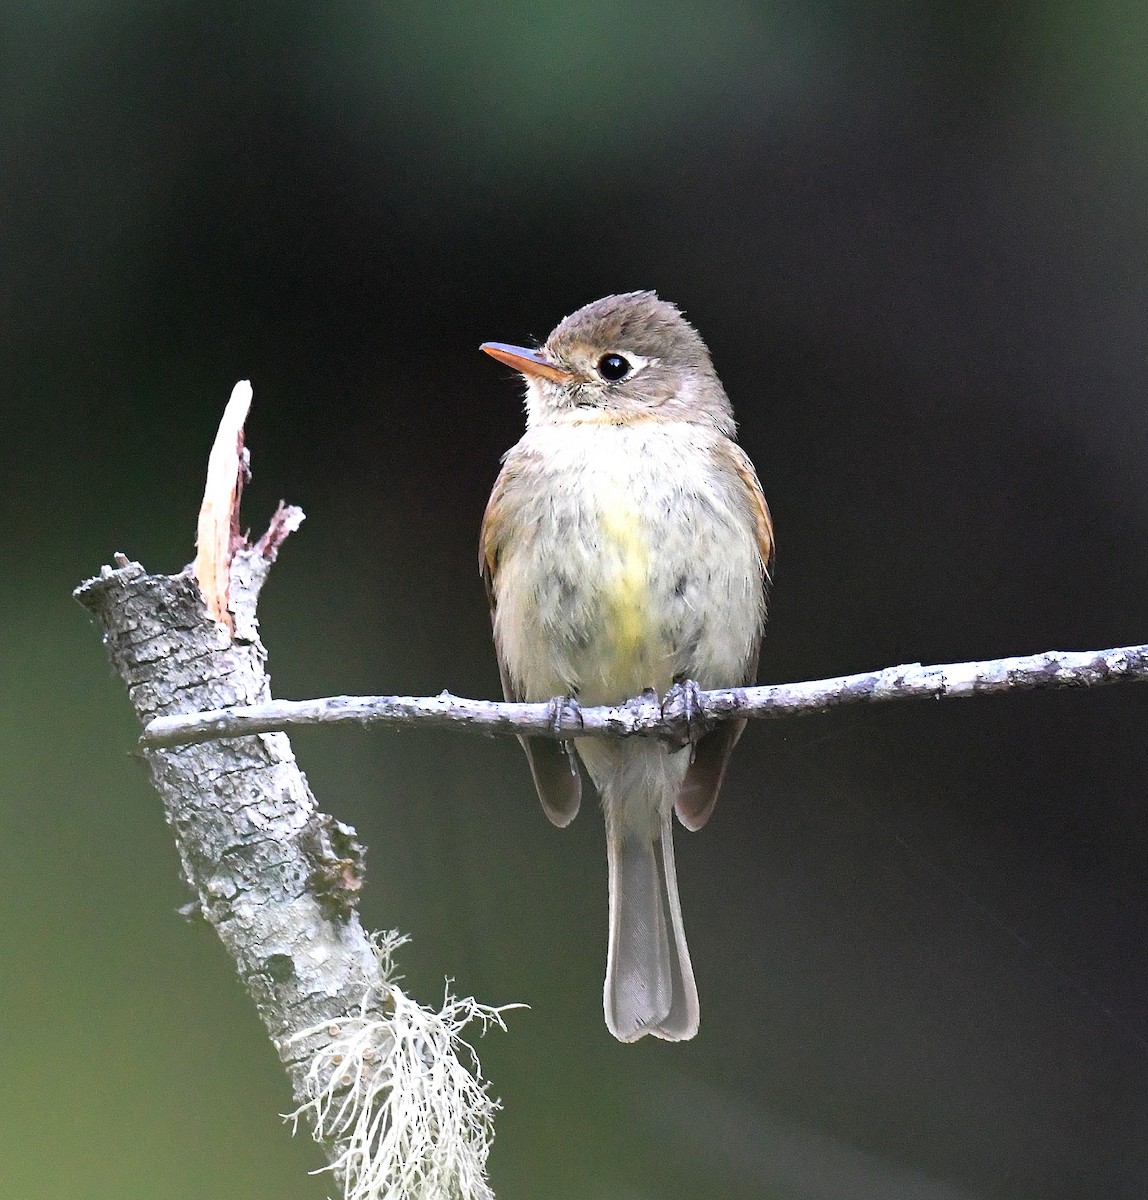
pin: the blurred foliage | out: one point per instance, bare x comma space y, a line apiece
915, 238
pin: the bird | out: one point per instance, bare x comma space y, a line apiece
627, 547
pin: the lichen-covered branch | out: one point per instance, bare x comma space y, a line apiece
274, 876
279, 880
651, 717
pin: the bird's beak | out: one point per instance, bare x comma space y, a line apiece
529, 362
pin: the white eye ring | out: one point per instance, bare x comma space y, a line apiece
616, 365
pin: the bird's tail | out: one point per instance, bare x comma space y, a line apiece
649, 980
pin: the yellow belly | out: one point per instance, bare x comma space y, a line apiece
628, 642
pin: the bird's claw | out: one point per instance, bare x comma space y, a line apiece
684, 714
558, 708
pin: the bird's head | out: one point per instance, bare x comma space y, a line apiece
620, 359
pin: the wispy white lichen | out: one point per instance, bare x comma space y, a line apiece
401, 1092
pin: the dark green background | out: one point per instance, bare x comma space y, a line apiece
916, 239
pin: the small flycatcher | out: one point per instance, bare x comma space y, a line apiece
627, 546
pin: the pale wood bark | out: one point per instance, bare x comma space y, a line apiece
275, 877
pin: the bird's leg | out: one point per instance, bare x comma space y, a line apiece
683, 711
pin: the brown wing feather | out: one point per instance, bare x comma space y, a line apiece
552, 765
734, 456
706, 772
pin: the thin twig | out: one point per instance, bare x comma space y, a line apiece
647, 715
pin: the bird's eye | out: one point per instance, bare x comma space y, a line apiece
613, 367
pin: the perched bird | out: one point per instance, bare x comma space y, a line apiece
627, 546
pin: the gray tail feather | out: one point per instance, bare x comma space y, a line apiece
649, 980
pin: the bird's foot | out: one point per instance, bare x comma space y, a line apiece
684, 714
562, 713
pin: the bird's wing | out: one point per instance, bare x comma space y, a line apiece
556, 777
699, 790
731, 455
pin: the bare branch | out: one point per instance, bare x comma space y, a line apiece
647, 716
